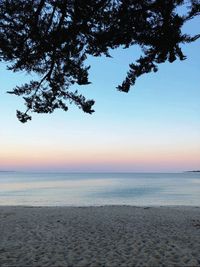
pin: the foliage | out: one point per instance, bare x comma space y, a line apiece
53, 38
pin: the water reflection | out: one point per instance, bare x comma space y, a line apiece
99, 189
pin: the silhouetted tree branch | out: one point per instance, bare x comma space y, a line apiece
53, 38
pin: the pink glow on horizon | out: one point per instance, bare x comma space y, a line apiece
117, 159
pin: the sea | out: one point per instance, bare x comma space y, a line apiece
96, 189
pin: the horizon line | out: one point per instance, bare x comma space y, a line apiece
88, 172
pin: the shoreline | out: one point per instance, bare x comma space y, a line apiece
100, 206
110, 235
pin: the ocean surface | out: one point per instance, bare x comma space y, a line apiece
86, 189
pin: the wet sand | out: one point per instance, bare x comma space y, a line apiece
99, 236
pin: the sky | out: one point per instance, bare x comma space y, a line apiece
153, 128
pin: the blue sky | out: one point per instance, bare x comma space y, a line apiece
155, 127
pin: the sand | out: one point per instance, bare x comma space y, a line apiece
99, 236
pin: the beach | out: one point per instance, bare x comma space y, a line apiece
100, 236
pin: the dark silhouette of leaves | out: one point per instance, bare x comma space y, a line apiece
53, 39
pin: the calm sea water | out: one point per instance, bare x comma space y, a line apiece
85, 189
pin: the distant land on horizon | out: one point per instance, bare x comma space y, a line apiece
92, 172
7, 171
193, 171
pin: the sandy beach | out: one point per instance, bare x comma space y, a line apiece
99, 236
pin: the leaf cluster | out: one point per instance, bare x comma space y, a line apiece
53, 39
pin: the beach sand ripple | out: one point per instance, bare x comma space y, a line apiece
99, 236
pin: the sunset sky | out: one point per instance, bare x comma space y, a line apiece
155, 127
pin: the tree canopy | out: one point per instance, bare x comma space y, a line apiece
53, 39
